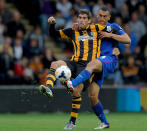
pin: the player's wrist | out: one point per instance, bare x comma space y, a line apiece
52, 23
111, 35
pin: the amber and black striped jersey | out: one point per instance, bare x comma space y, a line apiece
86, 42
87, 45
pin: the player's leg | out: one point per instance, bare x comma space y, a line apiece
93, 66
76, 104
109, 63
45, 89
93, 92
76, 93
51, 75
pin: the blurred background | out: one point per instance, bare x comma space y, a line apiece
26, 52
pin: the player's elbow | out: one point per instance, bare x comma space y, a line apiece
128, 41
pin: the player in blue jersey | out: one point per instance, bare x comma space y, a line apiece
97, 69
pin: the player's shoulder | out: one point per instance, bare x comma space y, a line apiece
114, 25
69, 29
116, 28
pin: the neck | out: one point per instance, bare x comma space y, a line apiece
102, 24
84, 27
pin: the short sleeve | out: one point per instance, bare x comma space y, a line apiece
118, 28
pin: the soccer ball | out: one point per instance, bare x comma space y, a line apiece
63, 73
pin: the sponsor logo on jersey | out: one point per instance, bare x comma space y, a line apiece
83, 38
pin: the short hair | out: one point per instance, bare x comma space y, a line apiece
104, 8
85, 11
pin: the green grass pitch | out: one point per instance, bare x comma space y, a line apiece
85, 122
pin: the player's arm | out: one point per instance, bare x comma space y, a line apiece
124, 38
120, 37
52, 31
65, 33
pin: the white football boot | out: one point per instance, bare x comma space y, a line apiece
46, 91
102, 126
69, 126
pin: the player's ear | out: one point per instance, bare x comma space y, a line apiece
109, 17
89, 21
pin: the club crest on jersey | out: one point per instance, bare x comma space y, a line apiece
109, 29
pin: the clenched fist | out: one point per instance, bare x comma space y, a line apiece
51, 20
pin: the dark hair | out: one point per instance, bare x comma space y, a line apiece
104, 8
84, 11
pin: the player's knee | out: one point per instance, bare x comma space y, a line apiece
53, 65
91, 66
93, 97
56, 64
76, 93
94, 65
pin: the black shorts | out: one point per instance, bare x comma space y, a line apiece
76, 68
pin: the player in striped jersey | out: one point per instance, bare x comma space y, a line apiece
97, 69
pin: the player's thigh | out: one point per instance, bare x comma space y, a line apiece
93, 90
56, 64
77, 91
94, 66
72, 66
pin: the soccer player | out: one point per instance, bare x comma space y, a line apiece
100, 67
86, 48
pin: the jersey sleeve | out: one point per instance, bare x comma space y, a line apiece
118, 28
53, 32
66, 33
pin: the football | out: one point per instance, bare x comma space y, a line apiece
63, 73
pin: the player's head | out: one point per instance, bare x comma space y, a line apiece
103, 15
84, 18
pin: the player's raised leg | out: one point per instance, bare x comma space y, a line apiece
50, 81
92, 66
93, 92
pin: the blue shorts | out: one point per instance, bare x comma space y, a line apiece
109, 64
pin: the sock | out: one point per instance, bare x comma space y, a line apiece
98, 109
51, 78
83, 76
76, 103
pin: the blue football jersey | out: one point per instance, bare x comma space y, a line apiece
107, 44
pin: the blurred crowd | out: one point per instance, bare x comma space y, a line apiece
24, 59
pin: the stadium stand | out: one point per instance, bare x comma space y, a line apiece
30, 37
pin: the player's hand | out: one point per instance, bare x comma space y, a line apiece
75, 26
115, 51
102, 34
51, 20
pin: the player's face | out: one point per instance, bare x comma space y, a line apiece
103, 17
83, 20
